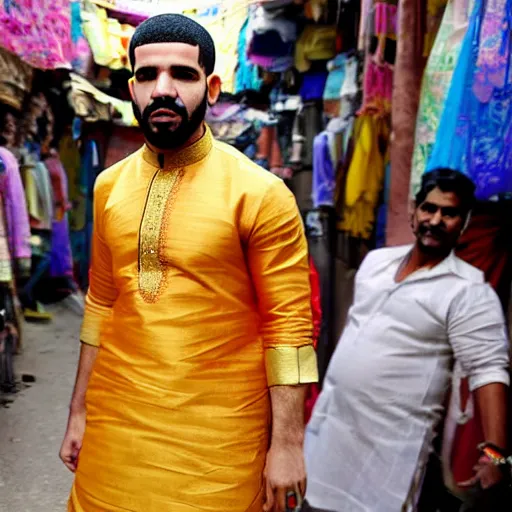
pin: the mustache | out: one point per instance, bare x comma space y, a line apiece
166, 102
434, 230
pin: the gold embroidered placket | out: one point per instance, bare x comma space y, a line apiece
160, 200
159, 205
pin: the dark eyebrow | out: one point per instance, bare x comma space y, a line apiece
145, 68
186, 69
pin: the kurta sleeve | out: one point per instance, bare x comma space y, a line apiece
278, 262
478, 337
102, 292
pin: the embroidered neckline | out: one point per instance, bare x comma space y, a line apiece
182, 157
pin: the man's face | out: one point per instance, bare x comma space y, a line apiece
169, 93
438, 222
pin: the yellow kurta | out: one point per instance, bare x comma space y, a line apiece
199, 300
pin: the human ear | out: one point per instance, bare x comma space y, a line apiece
131, 83
214, 85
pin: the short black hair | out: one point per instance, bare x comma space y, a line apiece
175, 28
449, 180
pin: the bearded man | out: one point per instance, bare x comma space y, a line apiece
197, 337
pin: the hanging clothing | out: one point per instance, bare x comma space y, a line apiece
82, 55
324, 169
307, 125
478, 114
247, 74
15, 213
336, 77
61, 264
315, 43
436, 83
365, 175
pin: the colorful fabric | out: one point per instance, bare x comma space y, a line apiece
82, 54
15, 211
436, 83
324, 171
336, 77
38, 31
315, 43
365, 176
225, 302
61, 258
477, 118
247, 75
61, 264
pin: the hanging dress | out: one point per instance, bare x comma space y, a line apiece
436, 83
477, 119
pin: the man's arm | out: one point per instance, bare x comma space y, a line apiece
98, 307
492, 402
285, 459
278, 263
478, 336
77, 413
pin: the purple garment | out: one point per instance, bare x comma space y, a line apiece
16, 213
61, 263
324, 172
61, 258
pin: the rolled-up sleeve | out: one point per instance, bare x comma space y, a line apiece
102, 292
278, 263
478, 336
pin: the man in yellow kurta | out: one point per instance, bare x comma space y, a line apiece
196, 343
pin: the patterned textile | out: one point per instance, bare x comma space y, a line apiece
436, 83
478, 113
38, 31
82, 54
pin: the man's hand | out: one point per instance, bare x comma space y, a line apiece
285, 471
73, 440
486, 473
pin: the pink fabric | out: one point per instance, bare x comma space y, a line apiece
378, 84
385, 19
38, 31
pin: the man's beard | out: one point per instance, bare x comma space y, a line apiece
163, 137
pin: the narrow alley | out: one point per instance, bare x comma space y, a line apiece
32, 478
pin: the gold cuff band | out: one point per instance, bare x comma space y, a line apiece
291, 366
90, 332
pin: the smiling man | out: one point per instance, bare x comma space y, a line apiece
415, 310
197, 337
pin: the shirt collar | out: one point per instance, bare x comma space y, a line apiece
450, 265
182, 157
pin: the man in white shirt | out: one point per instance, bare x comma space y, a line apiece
416, 310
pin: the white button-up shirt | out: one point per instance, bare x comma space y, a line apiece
384, 392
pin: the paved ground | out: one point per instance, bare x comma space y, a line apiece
32, 479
